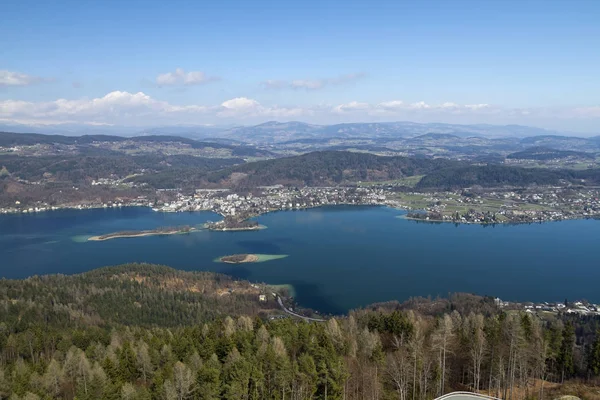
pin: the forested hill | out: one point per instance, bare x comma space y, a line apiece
492, 176
133, 294
328, 168
144, 332
94, 143
545, 153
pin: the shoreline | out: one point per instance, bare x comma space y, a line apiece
404, 216
253, 228
260, 227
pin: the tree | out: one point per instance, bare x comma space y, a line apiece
565, 356
52, 379
236, 376
144, 362
183, 381
399, 371
477, 347
4, 384
127, 368
594, 358
208, 380
128, 392
442, 340
77, 367
306, 377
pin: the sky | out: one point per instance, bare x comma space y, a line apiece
148, 63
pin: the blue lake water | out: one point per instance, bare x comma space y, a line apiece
339, 257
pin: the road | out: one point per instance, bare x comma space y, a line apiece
465, 396
297, 315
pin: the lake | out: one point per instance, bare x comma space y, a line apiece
339, 258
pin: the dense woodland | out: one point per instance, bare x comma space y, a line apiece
328, 168
545, 153
82, 169
333, 168
83, 143
149, 332
492, 176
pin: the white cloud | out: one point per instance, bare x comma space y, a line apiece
350, 107
139, 108
312, 84
11, 78
420, 105
240, 103
242, 107
180, 77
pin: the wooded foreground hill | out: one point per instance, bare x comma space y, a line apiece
150, 332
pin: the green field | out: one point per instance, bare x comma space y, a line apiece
409, 181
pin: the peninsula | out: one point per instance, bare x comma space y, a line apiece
150, 232
230, 223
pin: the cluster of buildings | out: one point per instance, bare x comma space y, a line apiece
549, 204
114, 181
271, 198
140, 201
578, 307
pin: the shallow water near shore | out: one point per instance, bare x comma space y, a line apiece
338, 258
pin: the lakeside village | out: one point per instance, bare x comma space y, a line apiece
463, 206
582, 308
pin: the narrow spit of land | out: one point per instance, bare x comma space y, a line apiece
150, 232
249, 258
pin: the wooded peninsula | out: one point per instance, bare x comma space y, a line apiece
142, 331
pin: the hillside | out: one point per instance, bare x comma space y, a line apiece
326, 168
80, 169
150, 144
498, 176
144, 332
545, 153
338, 167
133, 294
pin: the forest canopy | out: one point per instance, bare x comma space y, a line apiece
151, 332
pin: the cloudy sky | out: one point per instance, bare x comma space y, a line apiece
144, 63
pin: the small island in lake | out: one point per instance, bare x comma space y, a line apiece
233, 224
150, 232
239, 258
249, 258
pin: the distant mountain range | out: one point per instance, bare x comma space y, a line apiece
273, 132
